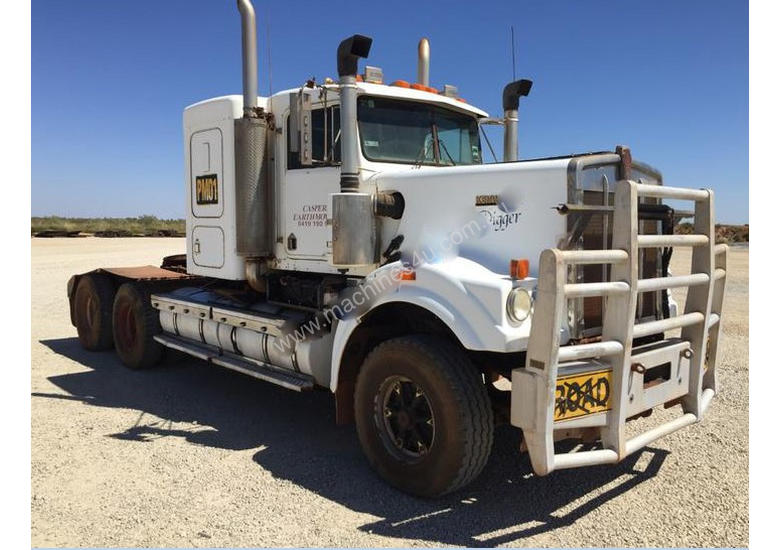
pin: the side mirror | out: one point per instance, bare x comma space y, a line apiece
300, 125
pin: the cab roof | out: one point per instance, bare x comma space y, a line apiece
410, 94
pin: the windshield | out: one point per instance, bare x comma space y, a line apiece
409, 132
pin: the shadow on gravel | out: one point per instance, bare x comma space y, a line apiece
218, 408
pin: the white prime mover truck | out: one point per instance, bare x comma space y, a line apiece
347, 235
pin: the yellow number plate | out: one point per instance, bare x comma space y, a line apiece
206, 189
581, 394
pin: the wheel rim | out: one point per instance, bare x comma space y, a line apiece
125, 326
87, 312
406, 422
91, 310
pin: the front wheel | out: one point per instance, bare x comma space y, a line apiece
423, 415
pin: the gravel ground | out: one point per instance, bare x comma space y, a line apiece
189, 455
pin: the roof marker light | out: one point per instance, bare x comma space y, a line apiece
424, 88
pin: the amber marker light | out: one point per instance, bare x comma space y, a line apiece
408, 274
518, 269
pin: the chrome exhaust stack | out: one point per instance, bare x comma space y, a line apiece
354, 226
253, 205
423, 62
511, 99
249, 55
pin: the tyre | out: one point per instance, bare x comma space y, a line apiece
135, 324
423, 415
92, 305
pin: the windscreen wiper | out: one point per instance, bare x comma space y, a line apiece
441, 143
422, 154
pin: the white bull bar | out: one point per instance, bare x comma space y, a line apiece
609, 374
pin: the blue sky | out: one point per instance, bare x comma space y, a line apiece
110, 80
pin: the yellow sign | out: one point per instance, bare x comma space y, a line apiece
206, 189
580, 394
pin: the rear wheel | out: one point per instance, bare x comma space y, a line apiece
423, 415
136, 323
92, 306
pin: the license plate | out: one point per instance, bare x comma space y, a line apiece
580, 394
206, 189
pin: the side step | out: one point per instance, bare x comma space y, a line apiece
256, 369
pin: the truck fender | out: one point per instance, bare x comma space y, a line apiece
463, 295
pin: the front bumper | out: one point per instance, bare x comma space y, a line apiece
599, 386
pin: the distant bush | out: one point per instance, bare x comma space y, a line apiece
723, 233
146, 225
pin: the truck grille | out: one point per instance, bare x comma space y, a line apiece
648, 305
589, 181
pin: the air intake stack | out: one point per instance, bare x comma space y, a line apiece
354, 225
511, 99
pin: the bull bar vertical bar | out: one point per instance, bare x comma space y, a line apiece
534, 386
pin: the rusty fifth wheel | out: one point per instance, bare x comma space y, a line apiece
92, 311
423, 415
135, 324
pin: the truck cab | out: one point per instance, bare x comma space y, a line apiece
396, 125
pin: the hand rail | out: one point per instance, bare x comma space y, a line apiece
648, 241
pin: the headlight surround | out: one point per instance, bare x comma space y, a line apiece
518, 304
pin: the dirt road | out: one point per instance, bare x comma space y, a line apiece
189, 455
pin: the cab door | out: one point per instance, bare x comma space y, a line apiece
307, 189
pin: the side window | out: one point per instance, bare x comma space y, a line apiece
326, 139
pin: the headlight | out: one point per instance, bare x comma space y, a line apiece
518, 305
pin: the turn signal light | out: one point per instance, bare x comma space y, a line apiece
408, 275
518, 269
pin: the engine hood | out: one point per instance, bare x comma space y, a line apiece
486, 213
